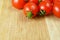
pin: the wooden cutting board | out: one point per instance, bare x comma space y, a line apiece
15, 26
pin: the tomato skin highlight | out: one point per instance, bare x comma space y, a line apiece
45, 6
19, 4
56, 10
31, 7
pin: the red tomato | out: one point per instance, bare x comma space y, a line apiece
19, 4
56, 10
48, 1
45, 8
30, 10
54, 1
34, 1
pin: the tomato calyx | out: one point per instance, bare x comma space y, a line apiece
42, 12
29, 14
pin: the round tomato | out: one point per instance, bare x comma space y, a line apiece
45, 8
19, 4
55, 1
56, 10
48, 1
30, 10
34, 1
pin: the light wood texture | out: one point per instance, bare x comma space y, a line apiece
15, 26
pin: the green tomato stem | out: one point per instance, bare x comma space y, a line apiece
42, 12
29, 14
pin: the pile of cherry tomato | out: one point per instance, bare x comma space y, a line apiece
32, 8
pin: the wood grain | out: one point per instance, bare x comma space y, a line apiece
15, 26
53, 27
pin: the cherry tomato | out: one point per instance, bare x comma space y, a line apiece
30, 10
54, 1
56, 10
19, 4
45, 8
34, 1
48, 1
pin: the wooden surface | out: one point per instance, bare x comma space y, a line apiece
15, 26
